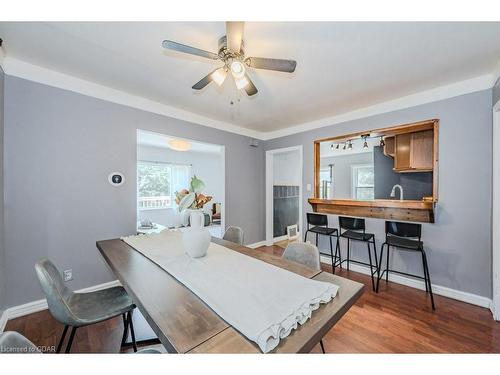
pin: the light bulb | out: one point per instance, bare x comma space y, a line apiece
219, 76
241, 82
237, 69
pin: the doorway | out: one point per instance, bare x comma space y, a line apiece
496, 211
283, 193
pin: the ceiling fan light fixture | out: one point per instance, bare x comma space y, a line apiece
179, 145
237, 69
219, 76
241, 82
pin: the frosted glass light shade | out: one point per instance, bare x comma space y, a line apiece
179, 145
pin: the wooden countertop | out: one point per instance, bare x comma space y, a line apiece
389, 203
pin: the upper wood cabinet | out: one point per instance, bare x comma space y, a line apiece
412, 152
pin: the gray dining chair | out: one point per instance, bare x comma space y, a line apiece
81, 309
234, 234
14, 343
306, 254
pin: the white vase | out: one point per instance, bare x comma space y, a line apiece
184, 218
196, 239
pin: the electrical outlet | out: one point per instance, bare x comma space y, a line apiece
68, 275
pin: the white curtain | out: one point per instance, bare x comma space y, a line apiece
181, 176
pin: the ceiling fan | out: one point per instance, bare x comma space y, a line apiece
231, 53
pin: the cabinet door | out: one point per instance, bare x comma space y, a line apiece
421, 150
402, 157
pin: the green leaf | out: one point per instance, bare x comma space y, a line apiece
197, 185
187, 201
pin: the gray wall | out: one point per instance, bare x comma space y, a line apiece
496, 92
459, 243
59, 149
2, 264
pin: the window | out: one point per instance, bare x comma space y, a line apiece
362, 182
325, 178
158, 182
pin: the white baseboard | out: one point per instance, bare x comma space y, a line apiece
41, 304
256, 244
265, 243
444, 291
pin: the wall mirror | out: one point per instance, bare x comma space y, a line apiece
387, 173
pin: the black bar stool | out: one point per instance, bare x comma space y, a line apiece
320, 226
405, 236
355, 230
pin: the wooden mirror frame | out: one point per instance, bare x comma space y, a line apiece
409, 210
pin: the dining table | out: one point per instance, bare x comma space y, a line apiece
185, 324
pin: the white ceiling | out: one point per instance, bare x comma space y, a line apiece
147, 138
340, 66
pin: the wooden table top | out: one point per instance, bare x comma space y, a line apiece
184, 323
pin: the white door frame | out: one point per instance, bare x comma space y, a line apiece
495, 308
269, 189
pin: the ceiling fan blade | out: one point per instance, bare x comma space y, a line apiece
250, 87
168, 44
204, 81
272, 64
234, 35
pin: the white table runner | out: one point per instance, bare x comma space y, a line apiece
263, 302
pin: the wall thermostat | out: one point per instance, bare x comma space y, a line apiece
116, 178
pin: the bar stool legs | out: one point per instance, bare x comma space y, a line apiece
427, 276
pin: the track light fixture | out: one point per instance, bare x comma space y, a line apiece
345, 145
350, 145
382, 142
365, 144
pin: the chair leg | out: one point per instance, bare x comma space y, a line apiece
387, 265
70, 341
337, 249
348, 252
61, 340
380, 266
125, 329
425, 275
317, 240
322, 346
371, 265
132, 332
305, 235
375, 252
426, 265
331, 254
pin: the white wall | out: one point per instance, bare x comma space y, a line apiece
209, 167
286, 170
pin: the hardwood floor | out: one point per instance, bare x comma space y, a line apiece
398, 319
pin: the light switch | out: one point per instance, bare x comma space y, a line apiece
308, 187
